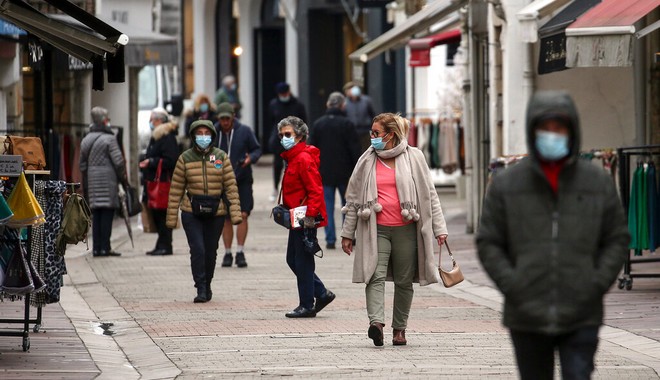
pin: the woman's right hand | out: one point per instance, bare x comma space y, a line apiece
347, 245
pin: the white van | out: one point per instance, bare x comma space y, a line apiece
155, 90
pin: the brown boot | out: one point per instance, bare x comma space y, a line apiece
376, 333
399, 337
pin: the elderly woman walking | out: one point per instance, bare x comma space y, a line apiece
203, 174
393, 213
301, 186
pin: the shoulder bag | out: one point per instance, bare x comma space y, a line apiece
282, 215
158, 191
452, 277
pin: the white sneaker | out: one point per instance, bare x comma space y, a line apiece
273, 196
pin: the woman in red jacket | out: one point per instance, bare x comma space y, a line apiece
302, 186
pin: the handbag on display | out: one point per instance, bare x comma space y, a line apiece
30, 148
452, 277
18, 280
158, 191
133, 204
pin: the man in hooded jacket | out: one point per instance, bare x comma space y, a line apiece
553, 238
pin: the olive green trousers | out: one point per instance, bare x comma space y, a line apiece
397, 249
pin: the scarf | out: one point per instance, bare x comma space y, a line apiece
405, 183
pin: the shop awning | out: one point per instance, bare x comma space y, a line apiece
79, 44
552, 54
146, 47
421, 21
604, 36
420, 48
530, 15
9, 29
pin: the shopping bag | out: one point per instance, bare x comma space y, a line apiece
158, 191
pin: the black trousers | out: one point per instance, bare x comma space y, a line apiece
303, 266
164, 234
535, 354
102, 228
203, 236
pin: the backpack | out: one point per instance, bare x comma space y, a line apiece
76, 223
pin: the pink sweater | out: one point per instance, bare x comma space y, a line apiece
388, 197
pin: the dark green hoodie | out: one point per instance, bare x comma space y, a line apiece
552, 256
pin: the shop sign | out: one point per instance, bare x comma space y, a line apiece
11, 165
35, 55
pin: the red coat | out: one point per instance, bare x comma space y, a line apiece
302, 178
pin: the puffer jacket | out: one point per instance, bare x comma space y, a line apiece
103, 167
301, 184
553, 256
203, 172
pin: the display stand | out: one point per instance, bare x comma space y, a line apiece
25, 321
625, 154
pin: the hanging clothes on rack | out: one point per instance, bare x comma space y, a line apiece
652, 203
54, 192
449, 146
637, 212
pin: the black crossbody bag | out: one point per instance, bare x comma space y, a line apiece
204, 206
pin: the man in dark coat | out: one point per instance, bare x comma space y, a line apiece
240, 144
103, 167
336, 138
162, 147
553, 237
283, 105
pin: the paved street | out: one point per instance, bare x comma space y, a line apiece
133, 317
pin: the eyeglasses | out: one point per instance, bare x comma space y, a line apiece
285, 134
377, 133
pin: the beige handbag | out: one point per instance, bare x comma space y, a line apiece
454, 276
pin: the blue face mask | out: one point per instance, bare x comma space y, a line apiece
551, 146
378, 143
203, 141
151, 125
288, 142
204, 107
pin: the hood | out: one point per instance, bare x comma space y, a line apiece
553, 105
163, 130
202, 123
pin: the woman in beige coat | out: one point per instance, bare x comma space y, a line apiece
394, 216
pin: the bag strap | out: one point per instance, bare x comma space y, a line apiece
159, 170
451, 256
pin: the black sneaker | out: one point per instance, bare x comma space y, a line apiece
325, 301
301, 312
330, 246
240, 260
227, 260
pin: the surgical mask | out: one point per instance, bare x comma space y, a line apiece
288, 142
204, 107
151, 125
284, 99
232, 86
355, 91
378, 143
203, 141
551, 146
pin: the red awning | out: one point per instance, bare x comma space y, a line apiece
615, 13
420, 48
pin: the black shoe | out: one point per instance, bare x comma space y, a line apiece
330, 246
201, 296
99, 253
161, 252
108, 253
325, 301
209, 293
152, 251
301, 312
227, 260
240, 260
376, 333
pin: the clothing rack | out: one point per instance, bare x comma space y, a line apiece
26, 321
624, 155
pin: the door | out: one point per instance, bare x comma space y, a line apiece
270, 69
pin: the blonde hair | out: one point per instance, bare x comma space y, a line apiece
394, 123
203, 98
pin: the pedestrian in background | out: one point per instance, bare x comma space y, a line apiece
228, 93
553, 237
203, 109
103, 167
163, 148
360, 111
283, 105
243, 150
337, 140
393, 213
202, 176
302, 186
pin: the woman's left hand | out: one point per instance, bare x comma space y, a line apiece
441, 239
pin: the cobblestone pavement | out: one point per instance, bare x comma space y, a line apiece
153, 330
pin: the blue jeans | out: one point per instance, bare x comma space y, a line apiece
535, 353
203, 237
303, 266
329, 195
